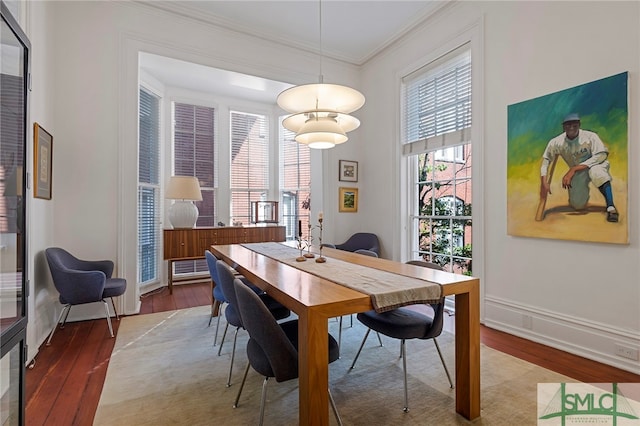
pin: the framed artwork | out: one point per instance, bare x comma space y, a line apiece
348, 171
42, 162
348, 201
594, 116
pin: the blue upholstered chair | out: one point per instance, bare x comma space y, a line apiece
407, 323
231, 313
360, 240
82, 281
218, 296
272, 349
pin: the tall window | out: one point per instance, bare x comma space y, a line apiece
195, 154
148, 186
437, 124
295, 184
249, 163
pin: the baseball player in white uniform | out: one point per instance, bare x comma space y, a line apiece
586, 156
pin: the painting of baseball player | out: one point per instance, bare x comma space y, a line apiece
586, 156
582, 134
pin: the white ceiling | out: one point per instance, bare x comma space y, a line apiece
352, 31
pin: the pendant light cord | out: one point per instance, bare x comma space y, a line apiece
320, 77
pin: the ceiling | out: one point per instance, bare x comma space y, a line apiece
352, 31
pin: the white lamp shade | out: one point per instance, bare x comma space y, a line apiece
183, 214
320, 96
295, 122
321, 133
183, 188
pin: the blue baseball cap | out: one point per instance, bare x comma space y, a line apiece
571, 117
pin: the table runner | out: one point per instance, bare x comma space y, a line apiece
387, 290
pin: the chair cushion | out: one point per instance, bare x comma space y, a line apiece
401, 323
277, 309
232, 315
218, 294
114, 287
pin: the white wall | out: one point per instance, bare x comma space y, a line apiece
525, 51
582, 297
89, 54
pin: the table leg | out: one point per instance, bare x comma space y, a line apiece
313, 364
170, 276
468, 353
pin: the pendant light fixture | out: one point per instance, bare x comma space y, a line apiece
320, 112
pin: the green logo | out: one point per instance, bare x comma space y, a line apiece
582, 403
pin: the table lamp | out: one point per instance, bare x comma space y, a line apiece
183, 214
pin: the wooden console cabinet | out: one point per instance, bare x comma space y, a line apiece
190, 244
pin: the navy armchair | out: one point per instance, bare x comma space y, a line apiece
360, 240
82, 281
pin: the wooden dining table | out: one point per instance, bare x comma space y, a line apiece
315, 299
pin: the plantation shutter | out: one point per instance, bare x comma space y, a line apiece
437, 102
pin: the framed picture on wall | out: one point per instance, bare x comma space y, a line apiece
42, 162
348, 171
348, 200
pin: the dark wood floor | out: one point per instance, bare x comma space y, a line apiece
64, 385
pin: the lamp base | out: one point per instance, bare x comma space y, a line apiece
183, 214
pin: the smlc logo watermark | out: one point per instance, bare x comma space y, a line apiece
616, 404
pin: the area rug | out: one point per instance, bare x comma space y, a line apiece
164, 370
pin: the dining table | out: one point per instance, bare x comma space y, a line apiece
316, 293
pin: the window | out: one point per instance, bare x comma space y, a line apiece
436, 144
295, 183
249, 163
195, 154
148, 186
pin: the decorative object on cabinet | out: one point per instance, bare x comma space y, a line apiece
264, 212
183, 214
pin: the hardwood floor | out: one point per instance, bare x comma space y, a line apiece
64, 385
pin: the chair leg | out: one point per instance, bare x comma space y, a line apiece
444, 364
335, 410
64, 320
215, 338
353, 364
115, 311
404, 368
224, 334
263, 399
214, 305
233, 355
339, 335
65, 308
106, 308
379, 338
244, 379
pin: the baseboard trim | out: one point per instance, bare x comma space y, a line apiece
588, 339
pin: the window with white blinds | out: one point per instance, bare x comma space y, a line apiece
437, 148
148, 186
295, 183
437, 103
195, 154
249, 163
